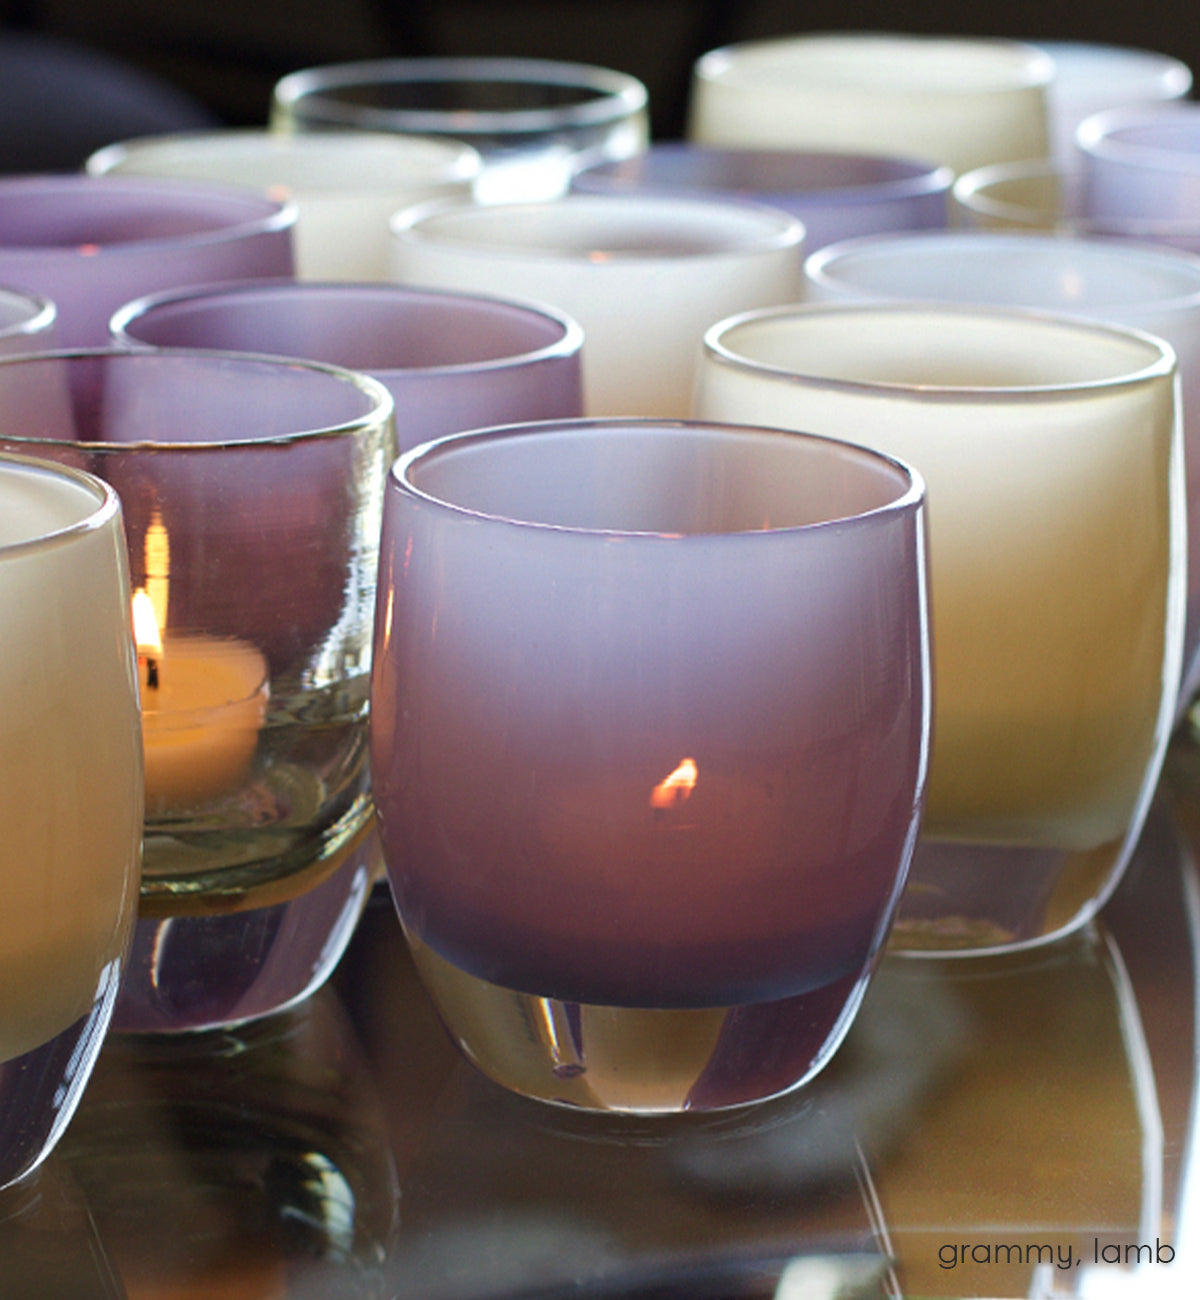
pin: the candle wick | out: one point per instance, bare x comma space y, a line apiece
151, 672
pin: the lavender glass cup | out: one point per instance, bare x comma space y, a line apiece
835, 195
252, 490
649, 731
91, 243
1143, 164
1134, 285
451, 361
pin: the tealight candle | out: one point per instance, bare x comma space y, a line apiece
204, 701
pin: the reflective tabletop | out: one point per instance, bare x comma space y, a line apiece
1004, 1127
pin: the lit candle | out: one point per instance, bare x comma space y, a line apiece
204, 701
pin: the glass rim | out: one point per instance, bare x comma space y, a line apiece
909, 497
777, 229
462, 161
263, 214
568, 344
1098, 136
953, 242
616, 95
1031, 67
1161, 360
917, 180
107, 505
382, 410
42, 317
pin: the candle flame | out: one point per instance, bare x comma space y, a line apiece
676, 787
145, 626
157, 556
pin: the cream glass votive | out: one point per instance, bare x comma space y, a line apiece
70, 794
533, 121
958, 102
251, 489
643, 275
1123, 283
648, 737
1053, 453
345, 187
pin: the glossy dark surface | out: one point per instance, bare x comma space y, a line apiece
345, 1150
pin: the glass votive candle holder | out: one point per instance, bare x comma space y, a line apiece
649, 725
835, 196
345, 186
533, 121
91, 243
1089, 78
1142, 164
1053, 452
1123, 283
252, 491
955, 101
643, 275
26, 322
70, 794
451, 361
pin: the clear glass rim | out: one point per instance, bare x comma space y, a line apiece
919, 178
1160, 363
1099, 136
775, 229
381, 411
1026, 66
263, 215
568, 344
951, 243
43, 313
616, 95
908, 497
447, 159
107, 505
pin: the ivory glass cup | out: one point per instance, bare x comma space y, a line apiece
643, 275
345, 187
957, 102
451, 361
1089, 78
251, 490
1156, 290
70, 794
1052, 450
533, 121
649, 725
91, 243
834, 195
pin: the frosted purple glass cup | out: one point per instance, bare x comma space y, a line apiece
834, 195
451, 361
91, 243
650, 712
252, 492
1143, 164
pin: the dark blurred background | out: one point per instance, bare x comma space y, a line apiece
215, 61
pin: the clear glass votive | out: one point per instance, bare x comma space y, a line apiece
70, 794
649, 730
345, 187
1090, 77
533, 121
26, 322
1143, 287
91, 243
644, 275
959, 102
1053, 452
451, 361
834, 195
252, 491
